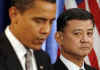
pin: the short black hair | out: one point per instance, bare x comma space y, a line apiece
70, 14
22, 5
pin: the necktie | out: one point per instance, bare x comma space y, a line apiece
28, 62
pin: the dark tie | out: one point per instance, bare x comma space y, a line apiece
28, 62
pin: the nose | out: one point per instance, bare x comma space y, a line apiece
84, 39
45, 29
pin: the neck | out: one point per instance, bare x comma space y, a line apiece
78, 60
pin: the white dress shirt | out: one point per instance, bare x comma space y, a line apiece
19, 49
70, 65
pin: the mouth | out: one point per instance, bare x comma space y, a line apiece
85, 48
41, 40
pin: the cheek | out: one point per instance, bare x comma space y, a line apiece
29, 32
70, 40
76, 41
30, 27
70, 43
91, 41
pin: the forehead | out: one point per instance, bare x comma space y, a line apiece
42, 8
79, 25
42, 3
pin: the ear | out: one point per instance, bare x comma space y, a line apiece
13, 12
59, 38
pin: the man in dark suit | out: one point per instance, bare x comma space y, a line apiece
75, 37
20, 44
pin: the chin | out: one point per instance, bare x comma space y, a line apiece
84, 54
36, 48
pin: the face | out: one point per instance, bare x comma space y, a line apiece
77, 38
33, 26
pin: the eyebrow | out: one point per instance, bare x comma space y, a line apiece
77, 30
90, 29
41, 18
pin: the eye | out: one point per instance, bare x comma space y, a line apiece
77, 33
52, 21
39, 21
90, 34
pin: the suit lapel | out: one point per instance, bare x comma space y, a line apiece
39, 63
12, 62
59, 65
37, 59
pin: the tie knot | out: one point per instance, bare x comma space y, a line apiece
28, 53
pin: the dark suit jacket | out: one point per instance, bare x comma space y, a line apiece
9, 60
59, 65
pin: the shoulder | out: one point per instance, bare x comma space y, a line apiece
3, 40
4, 43
2, 37
5, 48
59, 65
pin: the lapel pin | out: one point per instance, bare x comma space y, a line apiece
41, 67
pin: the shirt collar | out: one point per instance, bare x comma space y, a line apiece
18, 47
15, 43
70, 65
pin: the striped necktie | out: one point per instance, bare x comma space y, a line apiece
28, 62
